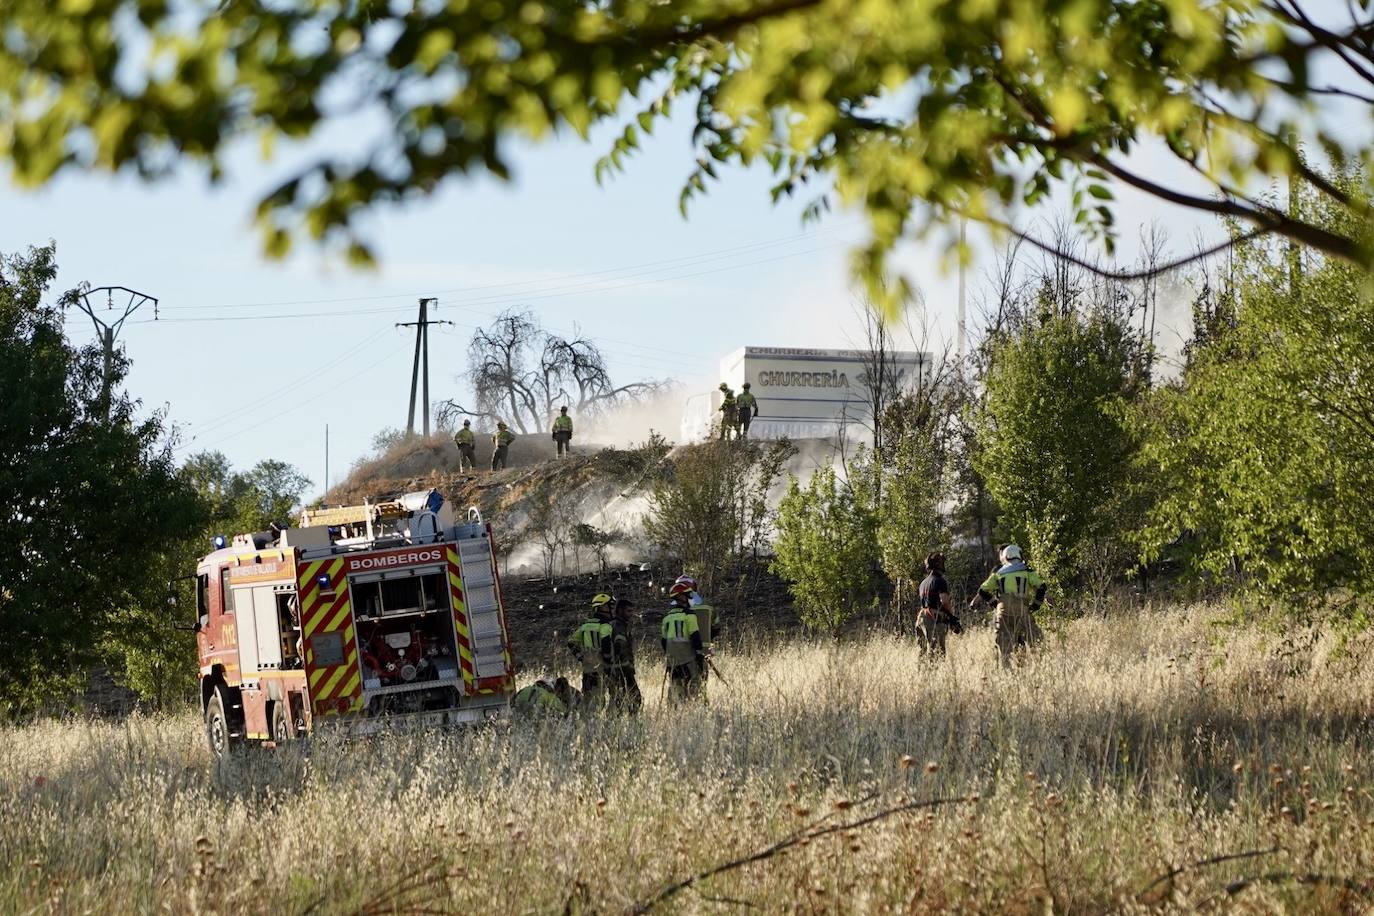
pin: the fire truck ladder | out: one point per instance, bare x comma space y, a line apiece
484, 609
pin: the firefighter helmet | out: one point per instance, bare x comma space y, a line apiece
600, 601
1011, 552
679, 588
686, 580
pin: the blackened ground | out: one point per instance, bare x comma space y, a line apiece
753, 606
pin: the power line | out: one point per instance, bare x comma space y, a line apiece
518, 299
329, 391
230, 417
715, 254
339, 314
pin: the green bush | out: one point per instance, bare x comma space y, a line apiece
826, 544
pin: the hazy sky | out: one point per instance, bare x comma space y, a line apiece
254, 358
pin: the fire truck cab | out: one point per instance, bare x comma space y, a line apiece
362, 618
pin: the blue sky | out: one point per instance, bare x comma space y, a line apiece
254, 358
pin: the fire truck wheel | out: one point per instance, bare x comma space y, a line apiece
217, 730
281, 722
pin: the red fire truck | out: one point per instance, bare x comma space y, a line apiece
364, 617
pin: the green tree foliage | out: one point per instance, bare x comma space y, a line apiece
242, 501
148, 653
826, 545
708, 507
919, 111
90, 503
910, 522
599, 541
1051, 445
1264, 450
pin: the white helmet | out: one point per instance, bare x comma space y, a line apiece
1011, 552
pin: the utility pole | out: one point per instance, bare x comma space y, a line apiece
421, 326
326, 459
109, 330
963, 257
1294, 213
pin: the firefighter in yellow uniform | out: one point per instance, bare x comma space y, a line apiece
729, 412
585, 645
562, 432
684, 654
708, 622
466, 441
501, 446
543, 699
747, 407
1019, 592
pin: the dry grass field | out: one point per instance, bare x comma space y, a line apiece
1138, 764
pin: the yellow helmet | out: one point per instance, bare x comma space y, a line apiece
600, 601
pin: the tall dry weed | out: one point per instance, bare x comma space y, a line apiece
1109, 770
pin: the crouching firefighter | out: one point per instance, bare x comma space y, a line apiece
585, 645
1019, 592
544, 699
936, 617
684, 654
618, 657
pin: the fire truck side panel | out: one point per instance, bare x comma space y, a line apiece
466, 664
508, 680
333, 673
262, 594
218, 634
484, 646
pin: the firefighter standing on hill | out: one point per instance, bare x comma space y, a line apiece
585, 645
936, 616
747, 406
562, 432
466, 441
501, 446
684, 653
729, 412
618, 657
1019, 592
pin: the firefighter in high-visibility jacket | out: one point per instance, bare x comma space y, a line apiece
544, 699
708, 621
562, 432
684, 654
500, 446
1019, 592
585, 645
466, 440
729, 412
746, 408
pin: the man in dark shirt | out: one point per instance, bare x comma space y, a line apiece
618, 657
936, 616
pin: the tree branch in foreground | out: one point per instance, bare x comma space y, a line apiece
1126, 276
811, 832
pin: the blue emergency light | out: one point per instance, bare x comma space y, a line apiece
323, 580
220, 542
